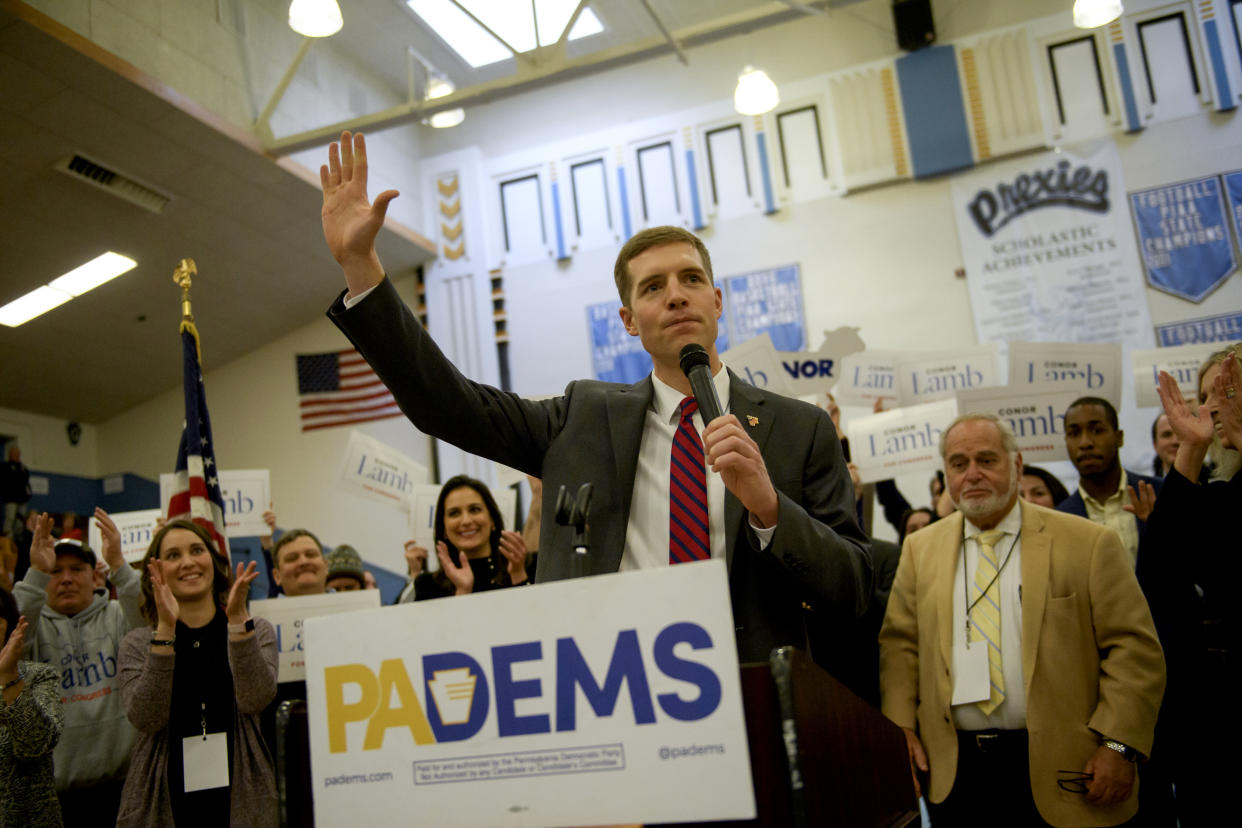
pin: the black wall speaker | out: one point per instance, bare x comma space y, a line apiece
913, 21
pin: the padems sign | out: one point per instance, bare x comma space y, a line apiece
621, 688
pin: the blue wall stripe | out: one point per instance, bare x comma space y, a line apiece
556, 218
624, 197
1127, 88
765, 173
693, 175
1225, 101
931, 100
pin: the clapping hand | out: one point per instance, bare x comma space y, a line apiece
514, 549
166, 607
459, 574
43, 548
112, 554
239, 592
12, 652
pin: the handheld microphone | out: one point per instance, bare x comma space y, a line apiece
697, 366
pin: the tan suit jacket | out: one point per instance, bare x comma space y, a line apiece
1091, 663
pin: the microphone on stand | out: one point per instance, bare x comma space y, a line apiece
697, 366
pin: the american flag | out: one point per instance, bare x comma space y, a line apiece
339, 388
196, 483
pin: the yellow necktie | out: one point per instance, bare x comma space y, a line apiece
985, 620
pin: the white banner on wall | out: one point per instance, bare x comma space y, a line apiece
623, 689
1181, 362
379, 472
1035, 413
939, 375
136, 528
288, 612
246, 494
1050, 250
900, 441
1094, 369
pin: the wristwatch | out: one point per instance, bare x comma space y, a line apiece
1126, 751
245, 627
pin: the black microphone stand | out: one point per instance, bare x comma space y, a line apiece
573, 511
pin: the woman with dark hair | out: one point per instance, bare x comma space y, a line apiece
1041, 487
468, 522
193, 685
913, 520
31, 719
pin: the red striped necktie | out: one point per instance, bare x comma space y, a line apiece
687, 485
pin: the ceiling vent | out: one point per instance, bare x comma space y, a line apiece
121, 186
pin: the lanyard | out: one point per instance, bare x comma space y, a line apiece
970, 605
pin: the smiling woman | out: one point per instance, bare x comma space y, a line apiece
468, 522
204, 669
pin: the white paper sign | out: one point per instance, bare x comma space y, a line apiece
288, 612
1095, 369
940, 375
379, 472
900, 441
422, 519
816, 372
616, 699
758, 362
1182, 363
1050, 251
136, 528
1036, 413
866, 377
246, 494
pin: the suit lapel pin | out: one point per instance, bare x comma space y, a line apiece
752, 420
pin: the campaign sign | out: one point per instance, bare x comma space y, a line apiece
757, 361
136, 528
1182, 363
867, 377
379, 472
246, 494
616, 699
900, 441
1036, 413
923, 378
1095, 369
1184, 235
288, 612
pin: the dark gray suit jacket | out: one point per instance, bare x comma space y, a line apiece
591, 434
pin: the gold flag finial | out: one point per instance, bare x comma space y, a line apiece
183, 275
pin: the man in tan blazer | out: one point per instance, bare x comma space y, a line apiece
1056, 692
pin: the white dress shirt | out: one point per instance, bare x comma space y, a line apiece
1011, 714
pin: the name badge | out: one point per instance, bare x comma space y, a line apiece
205, 760
972, 681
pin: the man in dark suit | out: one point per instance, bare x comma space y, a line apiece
779, 501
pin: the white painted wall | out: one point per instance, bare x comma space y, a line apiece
254, 417
45, 444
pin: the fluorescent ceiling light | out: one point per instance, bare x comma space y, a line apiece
74, 283
36, 303
315, 18
94, 273
755, 93
510, 19
1091, 14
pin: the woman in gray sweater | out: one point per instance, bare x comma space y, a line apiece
31, 718
193, 686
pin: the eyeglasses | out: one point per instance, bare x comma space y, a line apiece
1074, 782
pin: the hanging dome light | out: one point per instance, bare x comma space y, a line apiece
439, 87
1091, 14
755, 93
315, 18
447, 118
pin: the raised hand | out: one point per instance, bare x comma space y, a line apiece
12, 652
112, 554
1141, 501
460, 575
1189, 425
235, 606
43, 548
514, 549
350, 221
166, 607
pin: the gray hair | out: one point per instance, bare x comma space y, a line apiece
1009, 442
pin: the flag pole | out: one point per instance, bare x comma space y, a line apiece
183, 276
